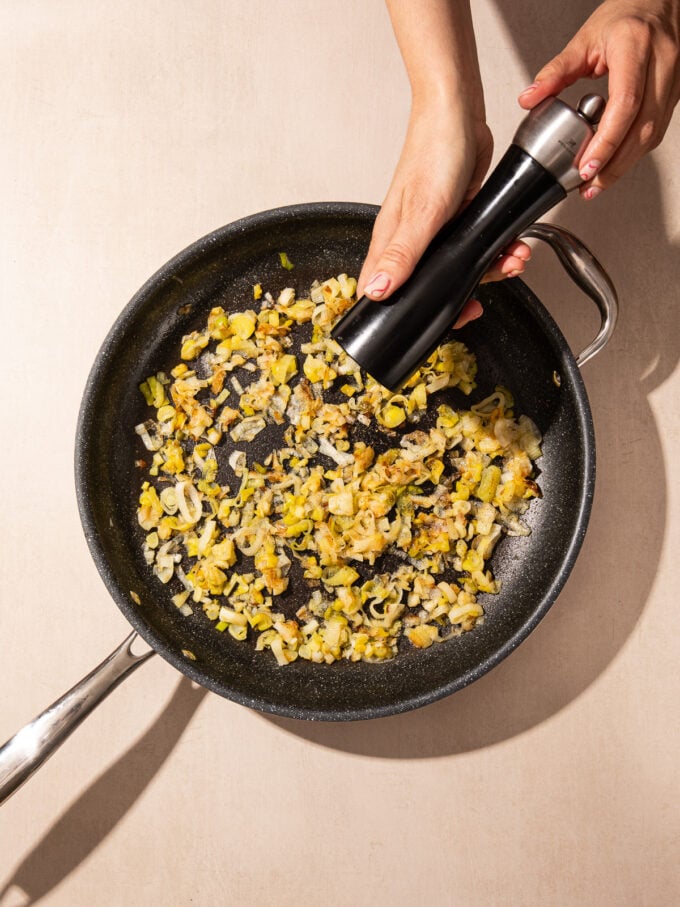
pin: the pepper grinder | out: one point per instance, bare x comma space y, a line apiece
391, 339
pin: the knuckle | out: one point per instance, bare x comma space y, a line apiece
383, 227
648, 136
634, 29
552, 69
635, 26
400, 255
428, 210
384, 214
608, 145
629, 98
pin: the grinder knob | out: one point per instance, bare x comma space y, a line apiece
555, 135
591, 107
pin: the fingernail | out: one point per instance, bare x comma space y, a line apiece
378, 284
528, 90
514, 273
590, 169
592, 192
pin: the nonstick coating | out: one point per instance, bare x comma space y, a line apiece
517, 344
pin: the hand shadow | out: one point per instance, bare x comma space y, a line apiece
96, 812
608, 588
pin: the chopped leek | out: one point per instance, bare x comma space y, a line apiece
438, 499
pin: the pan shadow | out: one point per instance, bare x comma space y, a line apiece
608, 588
96, 812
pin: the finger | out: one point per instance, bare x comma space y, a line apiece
628, 62
560, 72
651, 123
519, 249
472, 310
385, 226
399, 257
510, 264
645, 133
643, 136
505, 266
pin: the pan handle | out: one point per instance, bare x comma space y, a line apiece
588, 274
33, 744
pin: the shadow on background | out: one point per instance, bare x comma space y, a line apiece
96, 812
608, 588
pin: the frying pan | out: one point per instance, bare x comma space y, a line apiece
517, 344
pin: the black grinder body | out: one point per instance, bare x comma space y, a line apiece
391, 339
407, 327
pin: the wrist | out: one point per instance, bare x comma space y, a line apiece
437, 43
465, 97
453, 112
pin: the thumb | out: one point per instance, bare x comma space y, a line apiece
560, 72
397, 260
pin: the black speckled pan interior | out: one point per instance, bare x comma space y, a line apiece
517, 344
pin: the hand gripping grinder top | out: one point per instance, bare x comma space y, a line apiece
391, 339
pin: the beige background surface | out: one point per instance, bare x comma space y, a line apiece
131, 129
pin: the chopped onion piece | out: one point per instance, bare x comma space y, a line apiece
191, 510
149, 442
342, 459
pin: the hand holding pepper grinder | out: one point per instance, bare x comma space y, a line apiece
390, 340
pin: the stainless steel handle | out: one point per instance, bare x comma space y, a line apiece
33, 744
588, 274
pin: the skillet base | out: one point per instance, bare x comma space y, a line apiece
517, 344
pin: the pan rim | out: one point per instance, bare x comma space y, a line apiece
191, 669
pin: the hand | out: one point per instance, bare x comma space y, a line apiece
442, 166
447, 149
637, 43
